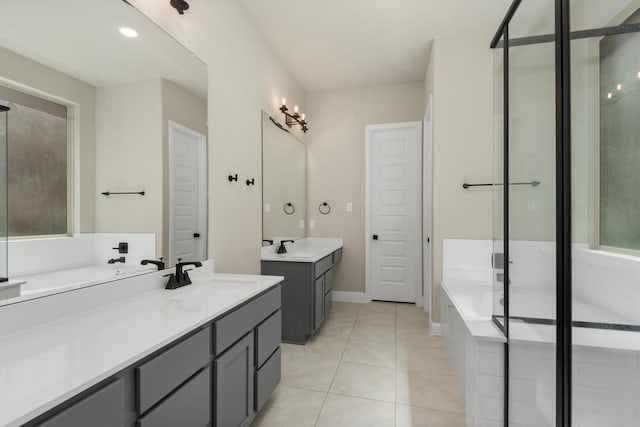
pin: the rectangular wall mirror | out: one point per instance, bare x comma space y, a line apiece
284, 171
107, 143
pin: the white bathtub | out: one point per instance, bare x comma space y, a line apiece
606, 363
540, 303
75, 277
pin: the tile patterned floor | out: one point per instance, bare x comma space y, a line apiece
369, 365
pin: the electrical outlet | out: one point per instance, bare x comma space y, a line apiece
301, 224
267, 208
349, 207
312, 224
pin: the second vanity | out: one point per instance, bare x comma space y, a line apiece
307, 288
206, 354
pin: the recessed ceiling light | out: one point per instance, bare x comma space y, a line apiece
128, 32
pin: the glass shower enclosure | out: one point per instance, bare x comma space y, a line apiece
4, 224
567, 211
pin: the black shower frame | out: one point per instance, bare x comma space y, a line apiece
562, 38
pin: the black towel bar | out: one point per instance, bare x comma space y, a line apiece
532, 183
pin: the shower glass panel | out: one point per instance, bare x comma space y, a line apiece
531, 194
498, 191
4, 111
605, 95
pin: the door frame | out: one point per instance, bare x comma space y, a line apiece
368, 241
427, 208
202, 189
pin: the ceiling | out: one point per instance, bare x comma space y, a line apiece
80, 38
341, 44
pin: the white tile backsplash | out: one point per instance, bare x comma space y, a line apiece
141, 246
33, 256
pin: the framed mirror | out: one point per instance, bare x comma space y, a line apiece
106, 131
284, 171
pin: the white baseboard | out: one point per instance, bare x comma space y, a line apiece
344, 296
435, 330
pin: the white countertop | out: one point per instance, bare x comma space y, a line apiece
43, 366
310, 249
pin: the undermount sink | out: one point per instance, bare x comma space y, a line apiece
297, 255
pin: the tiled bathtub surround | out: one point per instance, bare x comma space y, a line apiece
606, 363
369, 365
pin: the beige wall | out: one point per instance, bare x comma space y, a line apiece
461, 75
183, 108
19, 71
245, 77
129, 158
132, 140
336, 164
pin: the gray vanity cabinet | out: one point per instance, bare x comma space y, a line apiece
189, 406
103, 408
247, 359
306, 294
234, 381
318, 302
220, 375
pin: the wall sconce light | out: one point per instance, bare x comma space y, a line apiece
179, 5
295, 118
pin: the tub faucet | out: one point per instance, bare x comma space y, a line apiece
158, 264
282, 249
181, 277
114, 260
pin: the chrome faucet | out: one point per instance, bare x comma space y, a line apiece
114, 260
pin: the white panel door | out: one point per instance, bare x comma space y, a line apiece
188, 207
394, 261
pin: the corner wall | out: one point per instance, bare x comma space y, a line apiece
461, 79
336, 164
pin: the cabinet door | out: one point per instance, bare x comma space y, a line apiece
328, 302
297, 298
104, 408
319, 302
328, 282
234, 377
189, 406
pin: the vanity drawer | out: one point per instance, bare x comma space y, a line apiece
233, 326
323, 265
189, 406
267, 379
159, 376
104, 408
337, 256
268, 337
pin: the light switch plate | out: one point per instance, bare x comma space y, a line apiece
301, 224
349, 207
312, 224
267, 207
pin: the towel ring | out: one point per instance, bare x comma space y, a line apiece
324, 208
289, 209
